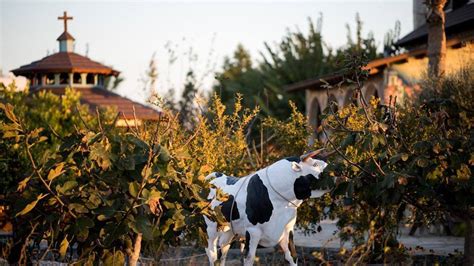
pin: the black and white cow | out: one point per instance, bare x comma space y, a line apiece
262, 206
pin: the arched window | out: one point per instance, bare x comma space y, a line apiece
77, 79
332, 104
370, 92
64, 78
351, 98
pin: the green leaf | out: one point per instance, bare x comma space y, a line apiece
100, 154
143, 225
133, 188
31, 205
349, 140
164, 155
179, 220
63, 248
67, 186
81, 228
79, 208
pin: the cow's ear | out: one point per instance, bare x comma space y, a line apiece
296, 166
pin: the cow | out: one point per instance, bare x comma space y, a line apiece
262, 206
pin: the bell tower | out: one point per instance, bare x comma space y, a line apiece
66, 41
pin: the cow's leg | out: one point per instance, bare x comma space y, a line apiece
212, 237
288, 246
224, 244
252, 237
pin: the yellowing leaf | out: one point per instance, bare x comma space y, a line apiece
63, 247
31, 205
205, 169
463, 173
53, 173
22, 184
404, 157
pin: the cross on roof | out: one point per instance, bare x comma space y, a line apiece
65, 18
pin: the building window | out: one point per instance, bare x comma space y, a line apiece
77, 79
64, 78
90, 79
332, 104
370, 92
49, 79
351, 98
101, 80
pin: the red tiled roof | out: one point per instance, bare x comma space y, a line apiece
65, 36
336, 77
373, 66
65, 62
97, 97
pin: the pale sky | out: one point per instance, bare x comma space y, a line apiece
125, 34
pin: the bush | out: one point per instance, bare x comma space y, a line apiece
393, 157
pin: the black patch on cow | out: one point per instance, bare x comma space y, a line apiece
226, 208
231, 180
247, 243
258, 207
292, 248
293, 159
302, 186
218, 174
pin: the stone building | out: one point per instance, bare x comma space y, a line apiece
399, 75
66, 68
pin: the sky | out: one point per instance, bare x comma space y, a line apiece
126, 34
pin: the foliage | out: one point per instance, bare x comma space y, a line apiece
390, 158
102, 188
105, 188
37, 111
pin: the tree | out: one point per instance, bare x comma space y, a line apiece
436, 37
297, 57
239, 76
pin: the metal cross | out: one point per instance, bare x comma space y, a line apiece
65, 18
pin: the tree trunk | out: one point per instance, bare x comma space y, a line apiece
469, 243
136, 250
436, 38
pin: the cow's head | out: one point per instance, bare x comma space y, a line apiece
307, 170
